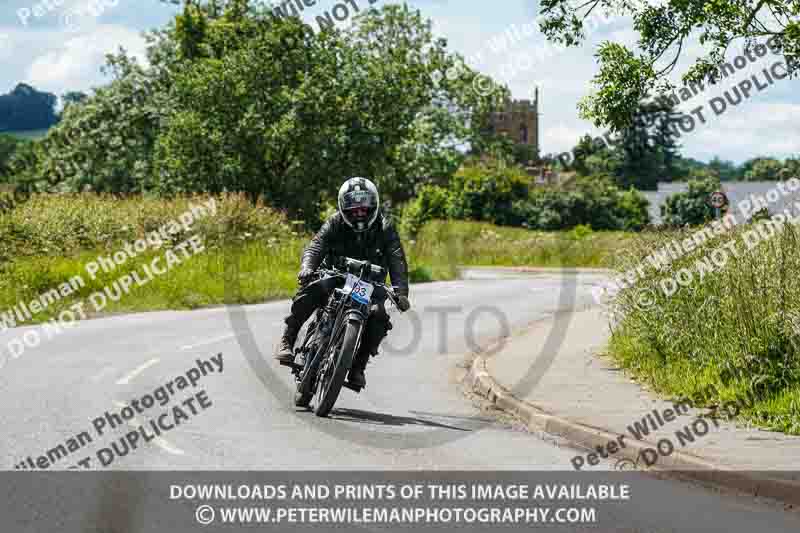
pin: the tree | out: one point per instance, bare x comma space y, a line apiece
764, 169
8, 146
649, 147
588, 201
665, 30
725, 170
525, 154
73, 97
236, 99
644, 152
25, 108
487, 191
586, 149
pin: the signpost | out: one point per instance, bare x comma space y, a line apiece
717, 200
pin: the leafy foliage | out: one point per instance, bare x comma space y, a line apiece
767, 169
640, 155
690, 207
432, 202
665, 29
234, 99
487, 192
8, 147
594, 202
505, 196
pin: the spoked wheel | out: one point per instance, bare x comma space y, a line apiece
333, 369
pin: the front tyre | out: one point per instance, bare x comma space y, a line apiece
333, 370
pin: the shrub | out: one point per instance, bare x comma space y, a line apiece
431, 202
690, 207
633, 210
487, 192
595, 202
8, 146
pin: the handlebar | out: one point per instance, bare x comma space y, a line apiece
334, 272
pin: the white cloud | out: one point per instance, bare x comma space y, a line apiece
76, 64
752, 128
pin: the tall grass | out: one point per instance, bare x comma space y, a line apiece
51, 238
252, 252
444, 244
736, 327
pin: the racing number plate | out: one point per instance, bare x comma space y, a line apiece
362, 291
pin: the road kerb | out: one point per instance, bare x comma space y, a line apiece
678, 464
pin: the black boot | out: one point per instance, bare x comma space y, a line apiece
285, 352
356, 376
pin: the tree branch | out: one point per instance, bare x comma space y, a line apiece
674, 60
753, 14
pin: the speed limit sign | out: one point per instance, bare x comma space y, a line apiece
717, 200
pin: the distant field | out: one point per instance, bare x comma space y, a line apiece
29, 134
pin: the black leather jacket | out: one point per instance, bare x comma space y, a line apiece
379, 245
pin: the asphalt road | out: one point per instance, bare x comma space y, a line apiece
413, 414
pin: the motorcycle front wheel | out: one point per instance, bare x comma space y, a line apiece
334, 368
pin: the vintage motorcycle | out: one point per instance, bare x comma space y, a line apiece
334, 336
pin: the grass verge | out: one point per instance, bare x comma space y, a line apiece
729, 323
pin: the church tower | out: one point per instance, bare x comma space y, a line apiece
519, 120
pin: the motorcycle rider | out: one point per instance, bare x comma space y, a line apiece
360, 231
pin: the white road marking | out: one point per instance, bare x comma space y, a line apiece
161, 442
136, 371
208, 341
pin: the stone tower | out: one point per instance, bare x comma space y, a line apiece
519, 119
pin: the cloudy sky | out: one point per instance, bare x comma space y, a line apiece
59, 45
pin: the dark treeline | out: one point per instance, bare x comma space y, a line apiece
25, 108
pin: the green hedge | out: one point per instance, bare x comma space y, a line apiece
506, 196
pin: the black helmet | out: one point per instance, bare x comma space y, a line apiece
358, 203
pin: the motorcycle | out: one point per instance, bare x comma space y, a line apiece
334, 336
